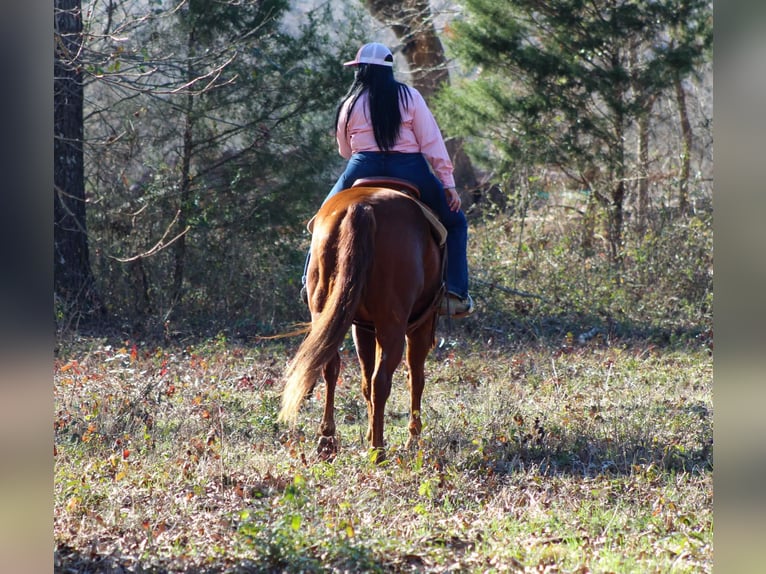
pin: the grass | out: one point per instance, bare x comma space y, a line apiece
591, 456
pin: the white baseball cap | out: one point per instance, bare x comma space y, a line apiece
373, 53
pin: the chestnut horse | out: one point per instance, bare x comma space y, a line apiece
375, 267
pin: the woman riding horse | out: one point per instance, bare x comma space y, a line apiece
385, 129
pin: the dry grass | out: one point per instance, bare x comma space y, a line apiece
592, 457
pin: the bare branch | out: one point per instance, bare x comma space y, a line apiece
510, 291
159, 246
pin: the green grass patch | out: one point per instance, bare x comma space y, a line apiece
592, 457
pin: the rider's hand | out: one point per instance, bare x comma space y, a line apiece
453, 199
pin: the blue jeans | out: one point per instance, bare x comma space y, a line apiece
414, 168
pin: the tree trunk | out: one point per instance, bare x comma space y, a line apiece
617, 199
412, 22
642, 204
643, 175
617, 169
72, 275
686, 132
185, 183
588, 229
616, 216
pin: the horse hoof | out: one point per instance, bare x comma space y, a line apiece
327, 447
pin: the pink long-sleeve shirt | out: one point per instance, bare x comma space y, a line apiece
419, 133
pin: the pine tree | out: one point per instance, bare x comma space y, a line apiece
563, 83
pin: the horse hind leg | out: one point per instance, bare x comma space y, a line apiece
419, 344
388, 355
327, 446
364, 342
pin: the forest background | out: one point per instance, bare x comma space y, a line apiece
192, 142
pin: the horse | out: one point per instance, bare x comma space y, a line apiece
376, 266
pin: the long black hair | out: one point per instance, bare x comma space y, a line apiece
384, 94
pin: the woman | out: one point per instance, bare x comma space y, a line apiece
384, 128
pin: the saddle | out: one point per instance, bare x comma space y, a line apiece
391, 183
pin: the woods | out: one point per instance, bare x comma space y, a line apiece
196, 134
204, 130
575, 84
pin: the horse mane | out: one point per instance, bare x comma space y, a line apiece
331, 321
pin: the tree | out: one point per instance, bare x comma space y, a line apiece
73, 278
565, 83
412, 22
206, 128
689, 36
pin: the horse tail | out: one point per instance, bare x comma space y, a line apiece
355, 250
